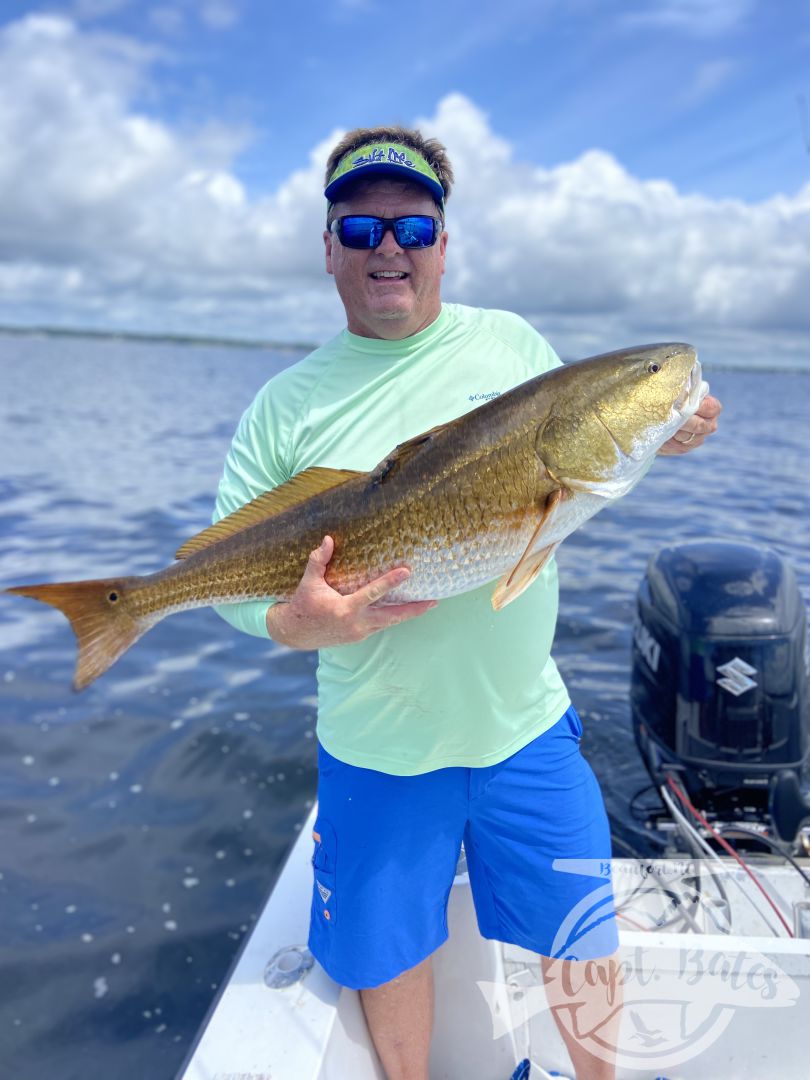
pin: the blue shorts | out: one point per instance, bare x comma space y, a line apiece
386, 849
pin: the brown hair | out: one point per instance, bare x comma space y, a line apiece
434, 152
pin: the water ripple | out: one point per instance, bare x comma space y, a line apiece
142, 822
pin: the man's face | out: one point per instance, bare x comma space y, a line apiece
391, 307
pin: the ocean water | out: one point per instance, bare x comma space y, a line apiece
143, 822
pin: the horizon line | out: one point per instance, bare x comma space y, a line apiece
154, 336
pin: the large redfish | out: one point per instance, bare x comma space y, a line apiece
489, 495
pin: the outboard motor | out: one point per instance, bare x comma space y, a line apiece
720, 691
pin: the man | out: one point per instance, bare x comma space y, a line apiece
436, 723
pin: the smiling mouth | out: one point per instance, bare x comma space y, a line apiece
388, 275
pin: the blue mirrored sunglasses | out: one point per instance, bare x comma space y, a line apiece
363, 231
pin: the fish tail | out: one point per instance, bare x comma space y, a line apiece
103, 622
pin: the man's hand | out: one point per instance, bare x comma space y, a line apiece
696, 429
317, 615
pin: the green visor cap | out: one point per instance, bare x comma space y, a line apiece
392, 160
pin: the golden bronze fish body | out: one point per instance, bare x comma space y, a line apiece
457, 515
488, 495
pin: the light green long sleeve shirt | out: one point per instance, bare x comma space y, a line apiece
462, 684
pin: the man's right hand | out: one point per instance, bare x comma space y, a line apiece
317, 615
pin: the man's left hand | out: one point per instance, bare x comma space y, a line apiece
696, 429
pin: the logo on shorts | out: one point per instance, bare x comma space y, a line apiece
325, 893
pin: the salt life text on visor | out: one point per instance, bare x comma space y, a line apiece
362, 231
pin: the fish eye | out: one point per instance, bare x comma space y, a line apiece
112, 597
652, 367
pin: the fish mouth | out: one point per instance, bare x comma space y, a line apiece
696, 389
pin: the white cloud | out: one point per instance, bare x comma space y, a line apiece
219, 14
110, 217
167, 19
700, 18
599, 257
97, 9
708, 78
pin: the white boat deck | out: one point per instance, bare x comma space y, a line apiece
710, 1005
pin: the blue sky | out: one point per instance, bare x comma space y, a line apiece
701, 92
242, 99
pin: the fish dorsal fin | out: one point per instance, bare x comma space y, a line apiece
530, 563
310, 482
403, 453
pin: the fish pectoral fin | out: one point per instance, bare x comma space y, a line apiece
310, 482
520, 577
530, 563
403, 453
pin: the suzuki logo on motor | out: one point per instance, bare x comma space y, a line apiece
647, 645
736, 676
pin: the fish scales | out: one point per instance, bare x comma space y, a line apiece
486, 496
451, 504
483, 524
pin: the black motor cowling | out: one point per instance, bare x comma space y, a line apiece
720, 685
